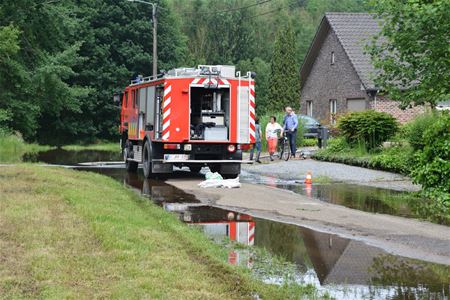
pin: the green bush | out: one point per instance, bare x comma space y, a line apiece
432, 165
337, 145
369, 127
414, 130
396, 159
310, 142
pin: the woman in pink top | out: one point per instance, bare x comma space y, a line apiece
272, 131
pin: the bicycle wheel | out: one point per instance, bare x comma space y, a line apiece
280, 148
286, 152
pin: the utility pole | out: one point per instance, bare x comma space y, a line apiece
155, 41
155, 37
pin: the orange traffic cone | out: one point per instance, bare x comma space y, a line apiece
308, 179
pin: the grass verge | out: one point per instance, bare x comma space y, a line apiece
69, 234
12, 148
99, 147
396, 159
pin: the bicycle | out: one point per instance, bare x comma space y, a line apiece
284, 149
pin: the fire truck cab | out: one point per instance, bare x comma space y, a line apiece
192, 117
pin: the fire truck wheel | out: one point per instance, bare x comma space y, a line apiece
147, 160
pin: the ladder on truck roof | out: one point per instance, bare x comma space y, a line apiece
201, 70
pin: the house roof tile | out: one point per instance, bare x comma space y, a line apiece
355, 31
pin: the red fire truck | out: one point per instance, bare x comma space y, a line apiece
190, 117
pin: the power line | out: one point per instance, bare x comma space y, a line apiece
231, 9
266, 13
270, 11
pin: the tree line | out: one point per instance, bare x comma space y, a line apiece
61, 61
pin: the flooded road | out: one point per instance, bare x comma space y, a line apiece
364, 198
342, 268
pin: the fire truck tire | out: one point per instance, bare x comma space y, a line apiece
147, 160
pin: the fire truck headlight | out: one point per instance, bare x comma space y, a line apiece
231, 148
188, 147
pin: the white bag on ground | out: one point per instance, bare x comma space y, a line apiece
215, 180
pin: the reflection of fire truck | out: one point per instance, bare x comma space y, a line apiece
191, 117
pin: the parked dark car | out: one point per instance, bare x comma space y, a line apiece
310, 125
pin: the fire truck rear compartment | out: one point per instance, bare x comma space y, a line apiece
210, 114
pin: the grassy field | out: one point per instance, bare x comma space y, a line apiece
70, 234
12, 148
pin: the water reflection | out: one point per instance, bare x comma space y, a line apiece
350, 269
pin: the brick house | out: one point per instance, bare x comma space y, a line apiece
336, 75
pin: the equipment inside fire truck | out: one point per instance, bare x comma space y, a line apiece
190, 117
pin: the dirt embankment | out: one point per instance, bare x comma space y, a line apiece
397, 235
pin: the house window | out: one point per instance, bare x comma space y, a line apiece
126, 100
333, 105
309, 108
332, 57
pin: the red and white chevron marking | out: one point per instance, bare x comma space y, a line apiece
166, 111
252, 106
251, 233
221, 82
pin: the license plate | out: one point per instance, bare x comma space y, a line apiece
175, 157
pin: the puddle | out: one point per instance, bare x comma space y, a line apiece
342, 268
66, 157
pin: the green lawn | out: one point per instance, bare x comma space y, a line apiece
70, 234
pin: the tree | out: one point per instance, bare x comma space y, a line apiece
284, 88
9, 47
412, 50
262, 70
117, 45
36, 87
